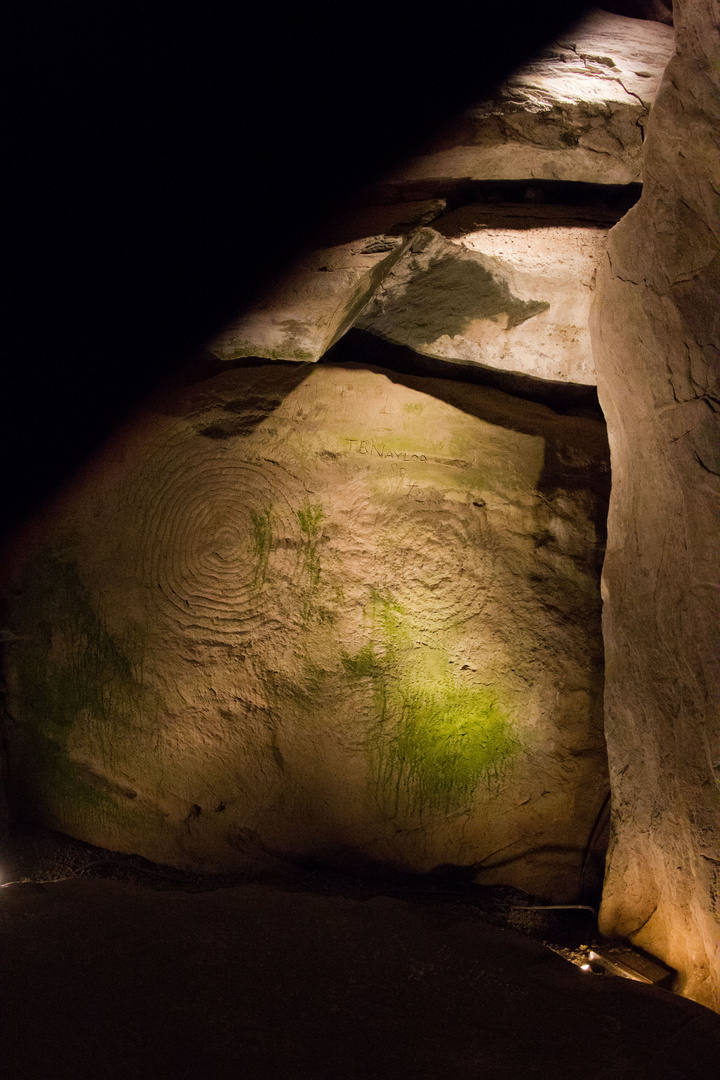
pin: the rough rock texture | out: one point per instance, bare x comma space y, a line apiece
655, 327
314, 303
330, 612
577, 113
661, 10
318, 299
515, 297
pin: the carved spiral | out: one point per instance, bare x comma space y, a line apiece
431, 550
208, 523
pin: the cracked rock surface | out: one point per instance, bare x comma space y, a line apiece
576, 113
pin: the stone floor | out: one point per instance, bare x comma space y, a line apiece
118, 980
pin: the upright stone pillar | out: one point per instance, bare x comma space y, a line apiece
656, 339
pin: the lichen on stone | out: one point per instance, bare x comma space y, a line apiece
72, 672
261, 539
435, 737
72, 665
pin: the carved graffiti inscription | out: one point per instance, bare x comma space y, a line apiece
365, 446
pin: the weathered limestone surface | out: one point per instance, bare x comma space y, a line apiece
655, 327
318, 298
514, 298
577, 113
661, 10
325, 611
314, 303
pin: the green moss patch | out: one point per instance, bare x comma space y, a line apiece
437, 746
436, 738
72, 673
72, 797
71, 666
386, 618
261, 539
310, 518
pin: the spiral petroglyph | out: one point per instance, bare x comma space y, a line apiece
208, 523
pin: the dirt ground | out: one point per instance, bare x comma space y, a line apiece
111, 979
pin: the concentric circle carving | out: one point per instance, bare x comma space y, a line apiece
208, 524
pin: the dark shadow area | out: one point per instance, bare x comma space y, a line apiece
366, 219
503, 204
603, 203
359, 346
41, 855
164, 162
522, 216
114, 981
255, 405
470, 291
657, 10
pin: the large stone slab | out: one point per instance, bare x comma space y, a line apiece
657, 344
576, 113
313, 304
340, 614
510, 297
317, 299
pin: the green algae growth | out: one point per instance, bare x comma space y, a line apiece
310, 518
444, 741
435, 738
72, 673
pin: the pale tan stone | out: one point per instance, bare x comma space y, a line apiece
318, 298
576, 113
313, 304
513, 299
341, 614
657, 345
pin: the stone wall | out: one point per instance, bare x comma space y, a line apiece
655, 330
325, 612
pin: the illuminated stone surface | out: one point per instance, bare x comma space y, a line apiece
318, 298
577, 113
657, 346
515, 299
313, 305
331, 612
